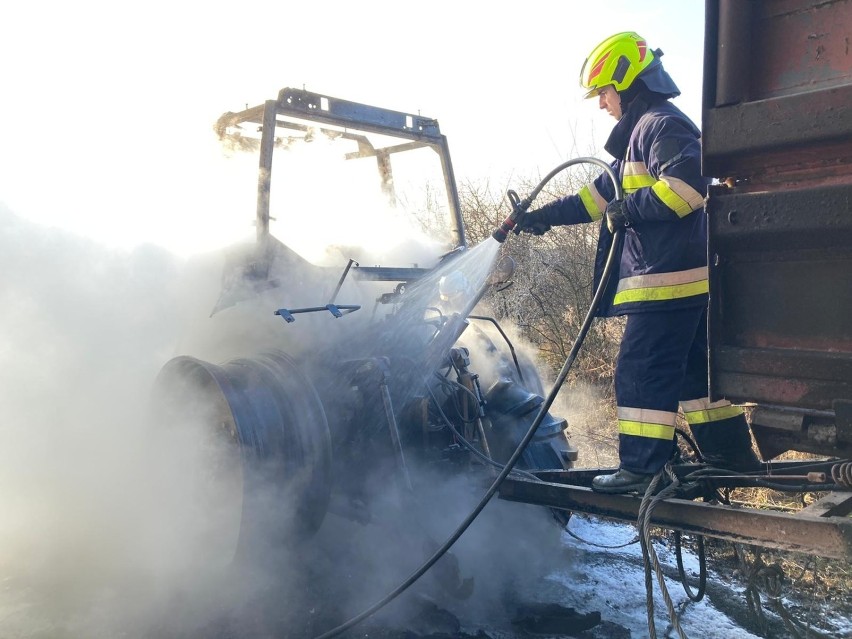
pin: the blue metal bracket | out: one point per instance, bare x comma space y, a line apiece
337, 310
288, 317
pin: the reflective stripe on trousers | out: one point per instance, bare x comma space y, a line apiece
662, 363
662, 356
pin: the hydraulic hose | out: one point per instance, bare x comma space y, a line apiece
542, 411
519, 207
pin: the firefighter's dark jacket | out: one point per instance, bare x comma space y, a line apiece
664, 249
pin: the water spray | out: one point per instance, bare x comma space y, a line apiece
519, 209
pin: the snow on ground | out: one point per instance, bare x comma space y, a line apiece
613, 581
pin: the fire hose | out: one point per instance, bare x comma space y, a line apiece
511, 223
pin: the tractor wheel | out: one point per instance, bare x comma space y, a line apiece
269, 415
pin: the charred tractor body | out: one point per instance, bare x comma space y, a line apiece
390, 376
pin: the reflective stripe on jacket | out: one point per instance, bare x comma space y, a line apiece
663, 260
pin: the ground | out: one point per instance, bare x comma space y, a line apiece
527, 583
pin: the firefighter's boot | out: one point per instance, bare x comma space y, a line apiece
622, 481
727, 445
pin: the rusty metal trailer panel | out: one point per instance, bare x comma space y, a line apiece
777, 133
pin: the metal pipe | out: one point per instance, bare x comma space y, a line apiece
264, 174
507, 340
450, 184
735, 40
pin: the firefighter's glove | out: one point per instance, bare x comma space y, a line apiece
616, 216
534, 222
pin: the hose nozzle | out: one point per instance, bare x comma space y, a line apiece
502, 232
519, 209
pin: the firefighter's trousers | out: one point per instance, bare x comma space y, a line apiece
662, 364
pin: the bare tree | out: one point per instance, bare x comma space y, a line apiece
552, 286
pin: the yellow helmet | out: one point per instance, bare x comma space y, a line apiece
618, 61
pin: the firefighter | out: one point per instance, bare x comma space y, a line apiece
662, 284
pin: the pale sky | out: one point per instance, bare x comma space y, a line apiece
108, 107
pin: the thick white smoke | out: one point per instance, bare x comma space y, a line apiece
113, 526
84, 332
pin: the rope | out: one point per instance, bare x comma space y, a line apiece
650, 500
681, 611
757, 575
596, 545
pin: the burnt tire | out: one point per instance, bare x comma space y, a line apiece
267, 410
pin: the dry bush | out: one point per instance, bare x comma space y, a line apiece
552, 286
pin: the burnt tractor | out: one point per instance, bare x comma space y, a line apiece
365, 373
